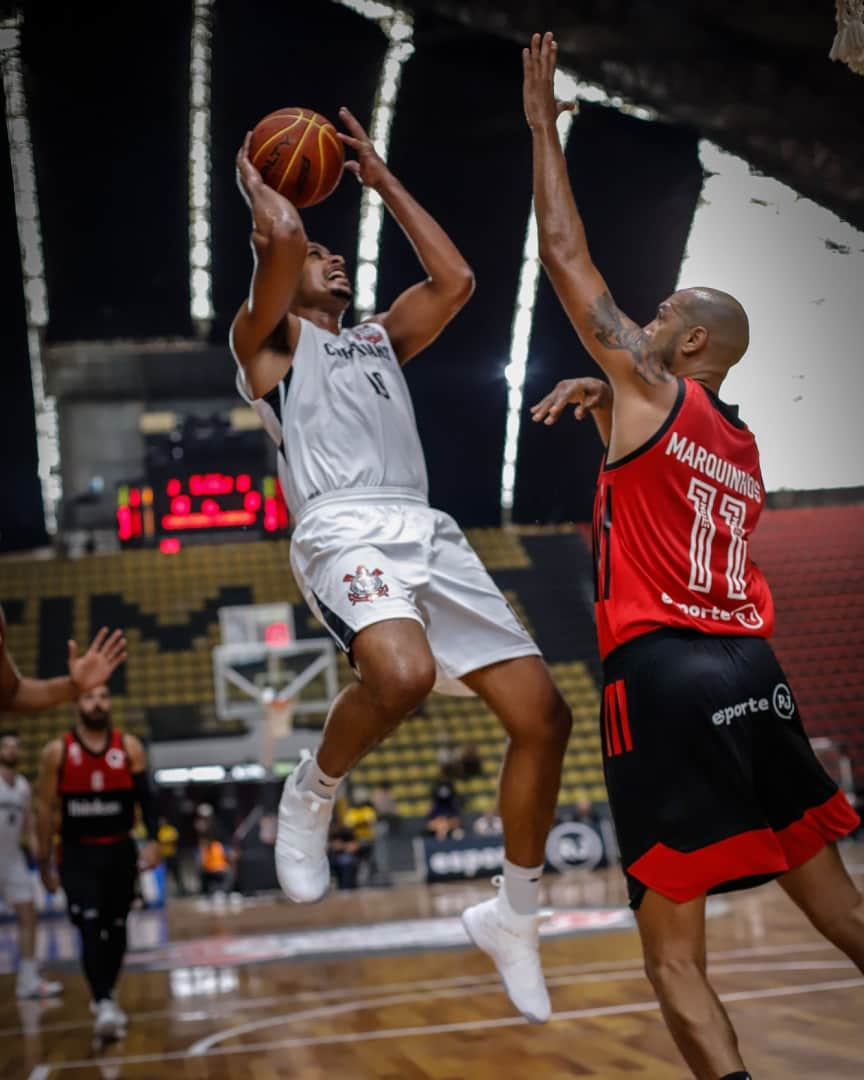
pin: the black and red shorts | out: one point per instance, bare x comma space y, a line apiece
712, 782
99, 880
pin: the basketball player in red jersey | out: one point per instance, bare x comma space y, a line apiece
20, 694
711, 779
94, 775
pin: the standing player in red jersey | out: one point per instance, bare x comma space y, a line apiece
712, 782
95, 775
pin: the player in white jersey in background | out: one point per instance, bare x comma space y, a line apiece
17, 826
394, 581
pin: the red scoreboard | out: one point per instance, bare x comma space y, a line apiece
165, 512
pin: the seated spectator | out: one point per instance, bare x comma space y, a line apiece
443, 820
169, 839
488, 824
360, 817
215, 868
585, 812
344, 861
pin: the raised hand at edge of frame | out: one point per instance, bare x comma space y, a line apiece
95, 667
539, 61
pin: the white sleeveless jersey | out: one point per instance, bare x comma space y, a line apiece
342, 418
14, 801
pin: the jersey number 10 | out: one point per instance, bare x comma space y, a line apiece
377, 381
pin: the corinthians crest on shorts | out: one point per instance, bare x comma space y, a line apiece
365, 585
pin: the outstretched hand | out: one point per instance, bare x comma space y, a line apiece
538, 84
586, 394
368, 168
97, 665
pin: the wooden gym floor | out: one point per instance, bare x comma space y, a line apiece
221, 1002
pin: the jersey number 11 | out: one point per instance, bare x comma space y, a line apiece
732, 511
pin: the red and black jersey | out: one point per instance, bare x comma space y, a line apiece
672, 523
97, 792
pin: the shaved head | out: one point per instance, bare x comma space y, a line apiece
722, 316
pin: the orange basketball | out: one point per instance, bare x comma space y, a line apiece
298, 154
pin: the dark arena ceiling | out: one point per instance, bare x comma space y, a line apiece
752, 75
107, 91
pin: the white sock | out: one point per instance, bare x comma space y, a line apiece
313, 779
522, 887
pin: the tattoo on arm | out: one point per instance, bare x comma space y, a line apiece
614, 331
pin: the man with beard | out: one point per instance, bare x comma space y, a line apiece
94, 775
16, 885
21, 694
712, 782
394, 580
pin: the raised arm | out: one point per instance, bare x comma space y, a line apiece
618, 345
46, 802
419, 314
21, 694
10, 676
278, 250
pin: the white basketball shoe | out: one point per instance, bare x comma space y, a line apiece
513, 943
32, 985
301, 839
110, 1022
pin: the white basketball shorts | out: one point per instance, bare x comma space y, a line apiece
16, 884
359, 563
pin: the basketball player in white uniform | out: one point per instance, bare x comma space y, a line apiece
16, 885
394, 581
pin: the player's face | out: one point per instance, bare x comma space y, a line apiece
10, 751
323, 279
665, 331
94, 708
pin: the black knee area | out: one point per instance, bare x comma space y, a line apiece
77, 918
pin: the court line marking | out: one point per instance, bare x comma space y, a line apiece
235, 1004
39, 1072
202, 1046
